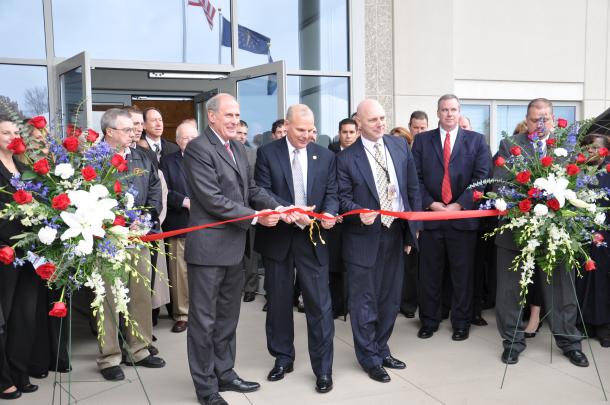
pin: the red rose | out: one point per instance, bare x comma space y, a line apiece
60, 202
477, 195
500, 161
41, 166
525, 205
532, 192
22, 197
71, 144
523, 177
117, 160
72, 130
553, 204
590, 265
39, 122
88, 173
17, 146
123, 167
598, 238
608, 167
45, 271
572, 170
515, 150
603, 152
580, 159
7, 254
546, 161
551, 142
92, 135
59, 310
562, 123
119, 220
117, 187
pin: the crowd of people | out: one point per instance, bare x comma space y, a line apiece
372, 266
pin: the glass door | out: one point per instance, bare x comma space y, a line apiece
73, 78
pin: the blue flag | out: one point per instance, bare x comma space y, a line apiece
250, 41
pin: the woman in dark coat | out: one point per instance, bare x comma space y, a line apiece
594, 287
17, 286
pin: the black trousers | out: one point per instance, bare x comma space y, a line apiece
214, 304
18, 296
313, 280
439, 247
375, 294
410, 282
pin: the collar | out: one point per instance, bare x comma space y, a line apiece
152, 142
453, 132
292, 148
222, 141
370, 145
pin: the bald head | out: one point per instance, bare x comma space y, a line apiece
299, 125
370, 117
185, 133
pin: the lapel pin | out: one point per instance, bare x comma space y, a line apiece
314, 157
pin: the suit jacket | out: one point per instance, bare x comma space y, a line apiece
273, 172
152, 156
177, 216
357, 190
9, 228
335, 147
221, 189
470, 162
251, 155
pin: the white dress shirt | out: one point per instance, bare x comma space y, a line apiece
369, 146
152, 143
453, 133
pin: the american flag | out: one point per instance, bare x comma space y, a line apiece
208, 9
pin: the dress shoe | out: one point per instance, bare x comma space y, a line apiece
379, 374
324, 383
278, 372
39, 375
460, 334
529, 335
149, 361
604, 342
426, 332
478, 320
265, 307
179, 326
249, 296
510, 356
577, 358
153, 350
239, 385
301, 307
214, 399
393, 362
10, 395
113, 373
28, 388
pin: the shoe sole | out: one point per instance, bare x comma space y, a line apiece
223, 389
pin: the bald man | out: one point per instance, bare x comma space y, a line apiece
376, 172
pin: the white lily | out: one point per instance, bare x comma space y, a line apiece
556, 186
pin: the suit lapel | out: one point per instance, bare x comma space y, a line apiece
397, 159
460, 139
282, 157
220, 149
435, 139
364, 166
179, 162
241, 166
311, 170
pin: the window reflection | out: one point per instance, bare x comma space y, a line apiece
258, 105
140, 30
479, 118
328, 97
22, 29
24, 88
307, 34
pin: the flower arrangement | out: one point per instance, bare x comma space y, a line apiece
82, 226
551, 199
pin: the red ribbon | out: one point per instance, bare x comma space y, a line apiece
412, 216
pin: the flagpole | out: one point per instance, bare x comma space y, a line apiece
220, 24
183, 3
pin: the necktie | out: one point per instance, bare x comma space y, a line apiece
446, 187
297, 180
381, 177
228, 148
540, 148
157, 151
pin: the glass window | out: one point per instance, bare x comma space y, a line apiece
24, 88
140, 30
22, 29
328, 97
258, 105
478, 114
307, 34
567, 112
508, 116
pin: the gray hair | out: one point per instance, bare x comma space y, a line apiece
180, 127
110, 117
300, 109
447, 97
213, 104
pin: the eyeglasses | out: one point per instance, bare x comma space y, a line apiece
126, 130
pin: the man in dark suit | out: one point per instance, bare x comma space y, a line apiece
153, 125
138, 129
297, 172
376, 172
559, 296
448, 160
221, 188
177, 217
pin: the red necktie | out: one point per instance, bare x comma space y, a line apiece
228, 148
446, 188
